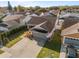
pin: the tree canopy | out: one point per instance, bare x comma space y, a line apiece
9, 6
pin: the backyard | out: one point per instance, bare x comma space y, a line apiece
51, 48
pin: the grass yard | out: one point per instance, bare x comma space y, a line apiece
11, 43
51, 49
1, 51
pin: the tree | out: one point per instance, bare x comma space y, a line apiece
20, 8
37, 7
31, 9
39, 11
62, 8
50, 8
15, 8
9, 6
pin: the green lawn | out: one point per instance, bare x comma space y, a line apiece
1, 51
51, 49
11, 43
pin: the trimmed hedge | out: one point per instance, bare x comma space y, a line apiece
6, 36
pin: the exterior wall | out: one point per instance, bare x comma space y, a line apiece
70, 40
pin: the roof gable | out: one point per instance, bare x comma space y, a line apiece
71, 30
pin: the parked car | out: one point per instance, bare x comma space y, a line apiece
71, 52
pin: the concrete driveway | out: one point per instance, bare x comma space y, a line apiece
27, 48
40, 38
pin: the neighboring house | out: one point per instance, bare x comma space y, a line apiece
70, 32
27, 13
45, 14
71, 36
69, 21
43, 23
22, 13
34, 14
55, 12
70, 25
12, 22
64, 15
13, 17
72, 10
3, 10
9, 25
16, 17
3, 29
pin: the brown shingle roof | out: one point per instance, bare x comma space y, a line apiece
49, 24
36, 20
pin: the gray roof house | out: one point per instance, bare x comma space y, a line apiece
12, 21
43, 23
